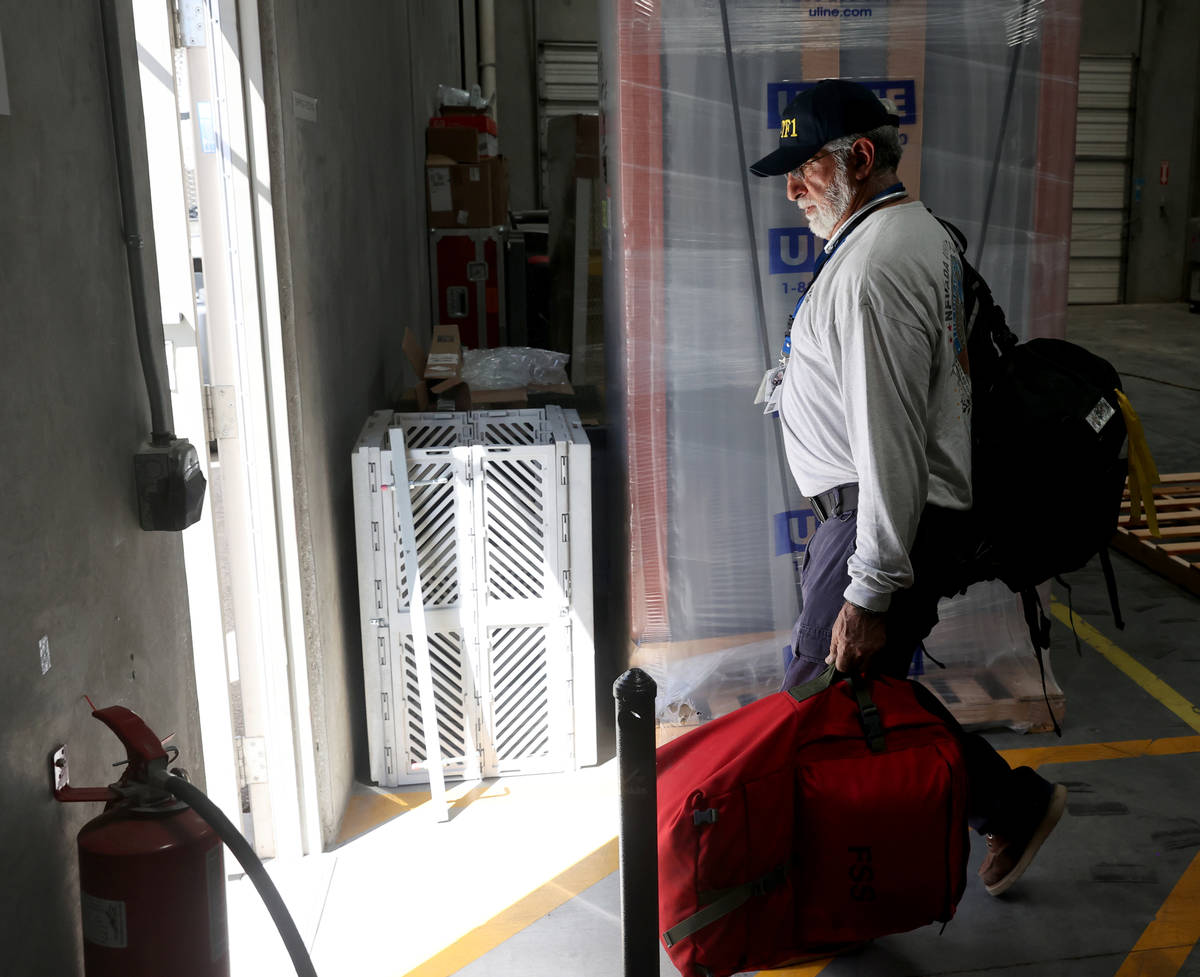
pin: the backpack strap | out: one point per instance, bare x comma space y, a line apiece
722, 902
1039, 634
1071, 613
1110, 581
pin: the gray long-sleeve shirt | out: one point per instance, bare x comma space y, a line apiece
875, 391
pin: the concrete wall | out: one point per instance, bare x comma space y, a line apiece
1110, 27
351, 189
1165, 120
516, 78
74, 566
1162, 35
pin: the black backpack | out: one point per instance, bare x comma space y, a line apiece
1047, 433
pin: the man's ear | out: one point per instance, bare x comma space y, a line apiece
862, 157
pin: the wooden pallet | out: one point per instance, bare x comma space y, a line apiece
1007, 694
1175, 552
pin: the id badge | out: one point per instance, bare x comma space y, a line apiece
769, 390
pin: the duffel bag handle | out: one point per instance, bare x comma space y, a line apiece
868, 714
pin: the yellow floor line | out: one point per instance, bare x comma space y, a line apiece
598, 865
1036, 756
1127, 664
1168, 941
810, 969
1159, 943
603, 861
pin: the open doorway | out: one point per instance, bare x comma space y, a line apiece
213, 231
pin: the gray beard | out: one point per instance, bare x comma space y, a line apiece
834, 204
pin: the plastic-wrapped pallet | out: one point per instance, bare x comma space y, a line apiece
988, 673
991, 675
704, 262
500, 508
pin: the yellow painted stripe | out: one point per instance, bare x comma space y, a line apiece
1168, 941
1127, 664
603, 861
1036, 756
803, 970
545, 899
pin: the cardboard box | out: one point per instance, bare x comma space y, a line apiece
466, 194
587, 146
487, 138
445, 354
463, 145
436, 391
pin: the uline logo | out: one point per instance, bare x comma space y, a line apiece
862, 874
791, 251
902, 92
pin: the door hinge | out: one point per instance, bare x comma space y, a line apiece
563, 471
220, 411
252, 759
188, 21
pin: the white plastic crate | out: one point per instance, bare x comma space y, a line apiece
501, 515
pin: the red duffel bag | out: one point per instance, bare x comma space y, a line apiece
808, 821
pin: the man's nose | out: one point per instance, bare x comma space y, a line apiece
794, 187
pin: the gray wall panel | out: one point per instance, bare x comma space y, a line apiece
356, 225
74, 565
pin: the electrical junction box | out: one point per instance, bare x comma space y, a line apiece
170, 486
500, 505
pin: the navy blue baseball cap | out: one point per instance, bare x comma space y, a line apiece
828, 110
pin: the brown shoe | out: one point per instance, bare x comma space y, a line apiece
1007, 858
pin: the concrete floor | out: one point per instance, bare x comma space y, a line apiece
522, 880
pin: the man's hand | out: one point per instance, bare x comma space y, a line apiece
857, 635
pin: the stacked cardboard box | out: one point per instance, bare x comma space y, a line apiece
466, 180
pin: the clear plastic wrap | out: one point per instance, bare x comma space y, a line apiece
513, 366
704, 262
991, 676
987, 676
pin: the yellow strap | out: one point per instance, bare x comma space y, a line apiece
1143, 473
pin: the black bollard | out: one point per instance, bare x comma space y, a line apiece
634, 693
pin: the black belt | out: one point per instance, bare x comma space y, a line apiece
839, 499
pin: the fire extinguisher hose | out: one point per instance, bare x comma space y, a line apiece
199, 802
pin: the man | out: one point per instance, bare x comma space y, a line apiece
874, 398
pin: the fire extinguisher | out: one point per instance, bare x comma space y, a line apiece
151, 869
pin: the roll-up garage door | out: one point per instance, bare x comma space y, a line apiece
1100, 209
568, 84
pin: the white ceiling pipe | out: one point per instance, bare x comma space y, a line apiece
487, 51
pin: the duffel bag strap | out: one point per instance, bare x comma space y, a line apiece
814, 685
724, 901
872, 723
868, 714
